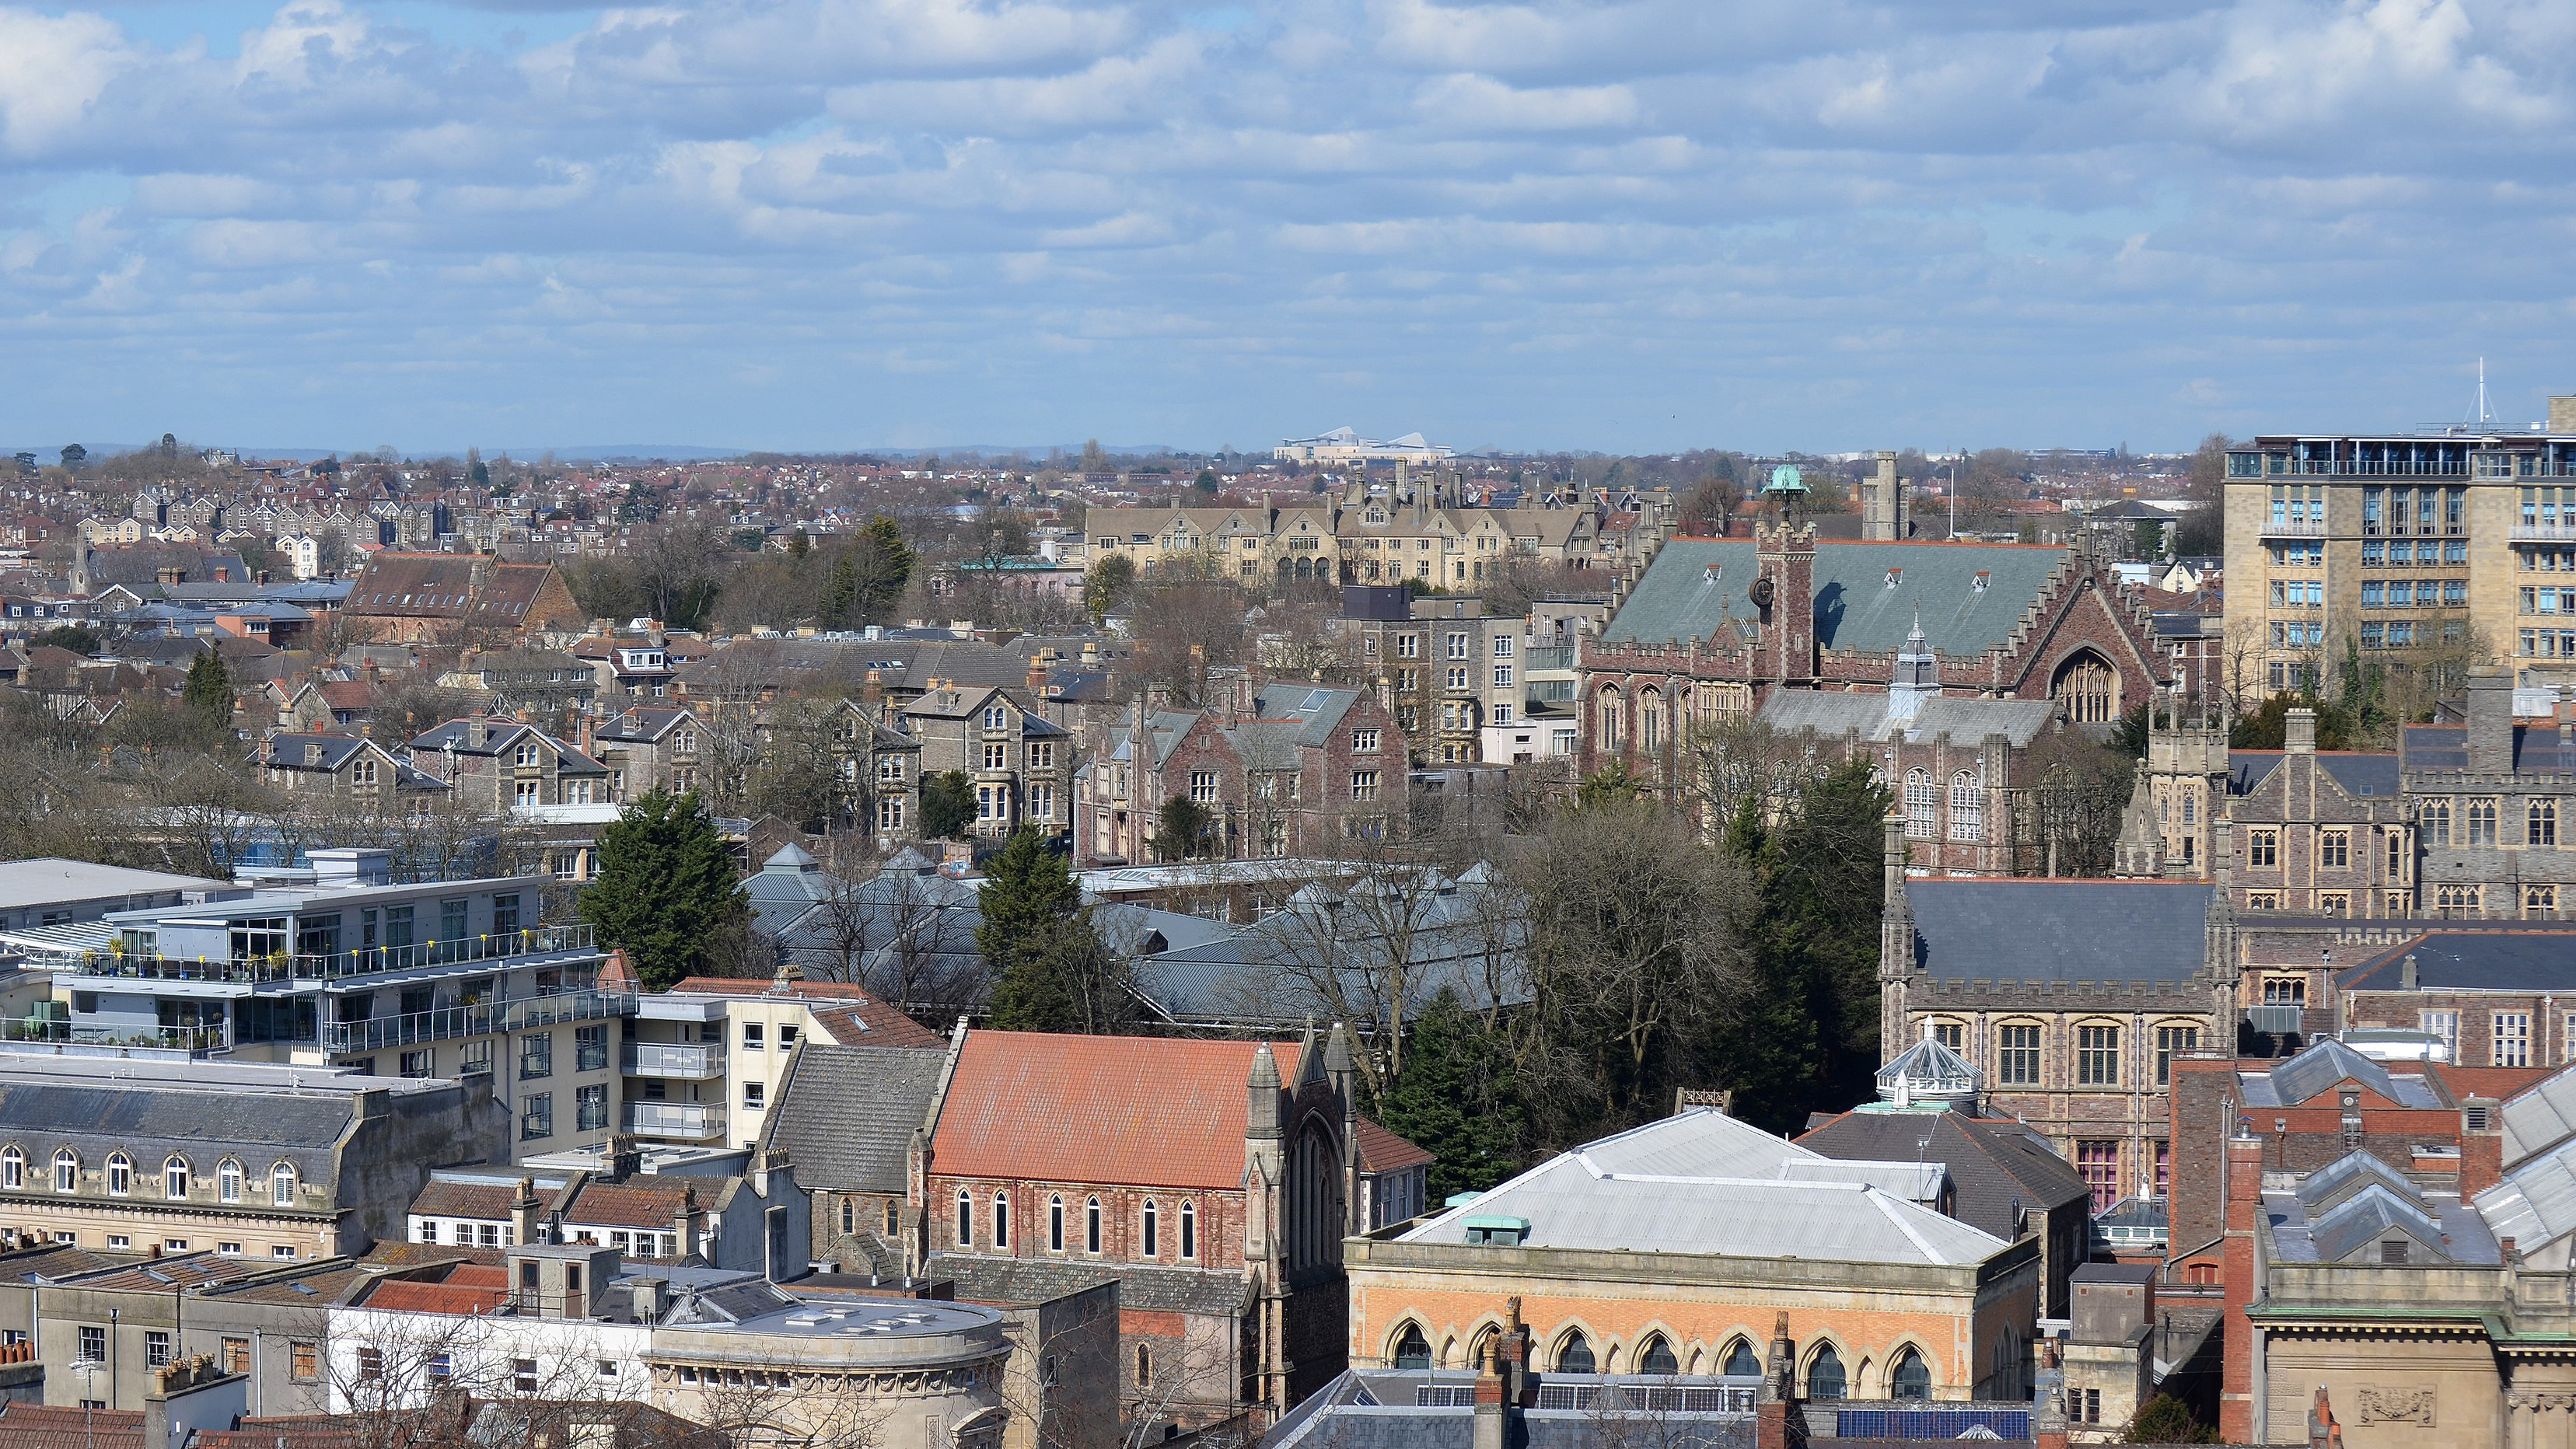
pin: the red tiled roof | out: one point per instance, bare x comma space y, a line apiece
42, 1426
1149, 1111
481, 1201
1383, 1151
637, 1202
406, 1296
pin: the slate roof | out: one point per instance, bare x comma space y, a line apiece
999, 1281
1149, 1111
294, 751
2056, 930
2317, 1069
2472, 961
150, 1119
1993, 1165
1856, 605
846, 1114
2363, 774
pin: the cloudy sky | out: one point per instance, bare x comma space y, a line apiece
831, 223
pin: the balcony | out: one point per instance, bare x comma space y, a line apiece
668, 1059
484, 1019
2295, 528
684, 1121
566, 941
73, 1039
1546, 657
2544, 533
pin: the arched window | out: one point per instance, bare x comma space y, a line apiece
1741, 1360
1922, 805
1825, 1374
1574, 1355
1613, 721
1912, 1378
1967, 808
1189, 1230
281, 1185
1001, 1221
228, 1180
120, 1174
1055, 1223
1144, 1366
66, 1171
965, 1219
1657, 1357
849, 1215
2087, 690
893, 1223
174, 1178
1412, 1350
1153, 1240
1650, 720
13, 1168
1091, 1225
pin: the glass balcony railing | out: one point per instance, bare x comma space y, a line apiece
690, 1120
483, 1019
672, 1059
1549, 657
2295, 528
297, 966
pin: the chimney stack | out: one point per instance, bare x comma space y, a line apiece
524, 1222
2490, 710
2299, 731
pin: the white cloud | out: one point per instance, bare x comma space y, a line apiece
1824, 223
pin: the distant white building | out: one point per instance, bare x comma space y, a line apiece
1342, 445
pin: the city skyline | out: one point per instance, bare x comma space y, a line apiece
827, 224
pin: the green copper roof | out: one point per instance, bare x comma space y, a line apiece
1971, 594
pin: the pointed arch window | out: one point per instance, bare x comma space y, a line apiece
1091, 1225
1741, 1360
1189, 1230
1412, 1350
1001, 1221
1825, 1374
1153, 1241
1912, 1377
965, 1219
1574, 1355
1055, 1223
1657, 1357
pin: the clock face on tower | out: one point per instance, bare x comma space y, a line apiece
1762, 591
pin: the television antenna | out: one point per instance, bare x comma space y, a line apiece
2484, 418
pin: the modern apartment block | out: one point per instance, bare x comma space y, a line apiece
441, 979
2397, 541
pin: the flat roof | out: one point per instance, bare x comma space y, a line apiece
264, 1077
51, 880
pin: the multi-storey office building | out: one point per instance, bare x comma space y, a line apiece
2403, 540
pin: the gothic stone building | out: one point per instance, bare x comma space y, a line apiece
2073, 997
1717, 627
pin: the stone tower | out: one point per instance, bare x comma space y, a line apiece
2168, 828
1882, 504
1784, 592
1896, 972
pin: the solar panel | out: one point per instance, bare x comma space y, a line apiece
1929, 1423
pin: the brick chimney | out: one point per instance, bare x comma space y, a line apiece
524, 1222
2323, 1431
1777, 1421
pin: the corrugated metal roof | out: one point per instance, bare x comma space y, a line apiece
2539, 1119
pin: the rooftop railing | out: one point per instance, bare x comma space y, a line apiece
483, 1019
335, 965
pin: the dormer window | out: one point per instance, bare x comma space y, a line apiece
1978, 584
996, 717
525, 757
1893, 575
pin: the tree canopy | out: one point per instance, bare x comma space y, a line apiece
666, 892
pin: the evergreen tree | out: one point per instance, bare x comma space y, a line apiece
1455, 1100
891, 566
947, 805
208, 693
1049, 968
666, 889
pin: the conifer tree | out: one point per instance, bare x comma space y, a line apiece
666, 891
208, 693
1049, 968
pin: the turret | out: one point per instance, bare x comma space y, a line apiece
1261, 1117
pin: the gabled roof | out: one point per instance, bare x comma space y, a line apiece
1998, 1169
846, 1114
1700, 1182
1383, 1151
2316, 1070
1971, 595
2539, 1118
1151, 1111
